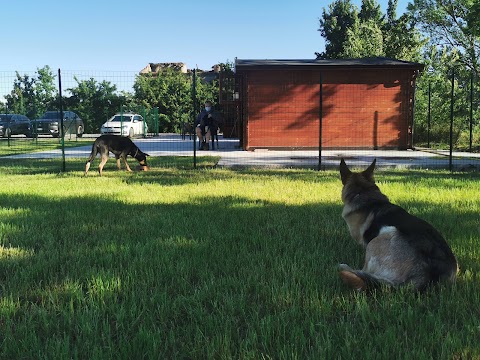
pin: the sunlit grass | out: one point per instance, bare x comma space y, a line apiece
214, 263
14, 253
16, 145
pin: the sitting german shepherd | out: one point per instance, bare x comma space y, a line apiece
121, 147
401, 249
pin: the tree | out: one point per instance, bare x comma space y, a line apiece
168, 92
364, 39
401, 39
454, 30
435, 79
334, 24
20, 99
45, 90
473, 19
32, 96
94, 102
350, 33
370, 11
171, 92
451, 24
454, 45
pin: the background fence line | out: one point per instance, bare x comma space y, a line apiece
170, 102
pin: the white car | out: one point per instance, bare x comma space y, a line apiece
126, 124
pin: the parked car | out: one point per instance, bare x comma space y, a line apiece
49, 124
127, 124
15, 124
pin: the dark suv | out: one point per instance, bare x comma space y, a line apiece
15, 124
49, 124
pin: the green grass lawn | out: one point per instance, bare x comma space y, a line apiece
21, 145
213, 263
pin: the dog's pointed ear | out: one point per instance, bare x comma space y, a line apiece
368, 173
146, 154
345, 172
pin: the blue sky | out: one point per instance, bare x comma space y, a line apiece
127, 35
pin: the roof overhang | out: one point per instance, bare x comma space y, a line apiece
306, 64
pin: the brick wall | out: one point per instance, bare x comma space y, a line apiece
362, 108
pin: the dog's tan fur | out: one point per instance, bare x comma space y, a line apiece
401, 249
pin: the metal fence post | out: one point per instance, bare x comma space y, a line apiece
320, 126
452, 95
194, 99
471, 112
8, 137
429, 118
156, 122
144, 115
62, 133
121, 120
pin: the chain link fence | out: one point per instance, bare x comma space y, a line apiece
446, 132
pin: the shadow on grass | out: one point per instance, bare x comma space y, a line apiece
224, 229
260, 274
425, 175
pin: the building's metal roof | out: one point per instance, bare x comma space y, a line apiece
375, 62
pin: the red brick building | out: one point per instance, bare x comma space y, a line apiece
361, 103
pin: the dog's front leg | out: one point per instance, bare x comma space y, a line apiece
119, 166
126, 163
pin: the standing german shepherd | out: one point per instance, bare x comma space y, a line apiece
121, 147
401, 249
187, 128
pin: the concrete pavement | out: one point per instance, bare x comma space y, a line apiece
232, 156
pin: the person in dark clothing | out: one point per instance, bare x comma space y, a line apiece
206, 125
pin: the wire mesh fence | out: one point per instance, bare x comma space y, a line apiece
158, 112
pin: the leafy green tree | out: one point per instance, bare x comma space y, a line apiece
370, 11
334, 24
20, 99
433, 83
364, 39
32, 96
171, 92
437, 79
451, 24
350, 33
166, 91
401, 39
206, 90
473, 19
454, 45
94, 102
45, 90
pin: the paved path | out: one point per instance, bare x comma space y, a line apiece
232, 156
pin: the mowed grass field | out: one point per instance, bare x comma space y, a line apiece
177, 263
21, 145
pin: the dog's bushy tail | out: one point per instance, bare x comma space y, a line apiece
93, 153
360, 280
92, 156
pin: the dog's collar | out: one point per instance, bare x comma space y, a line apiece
136, 152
